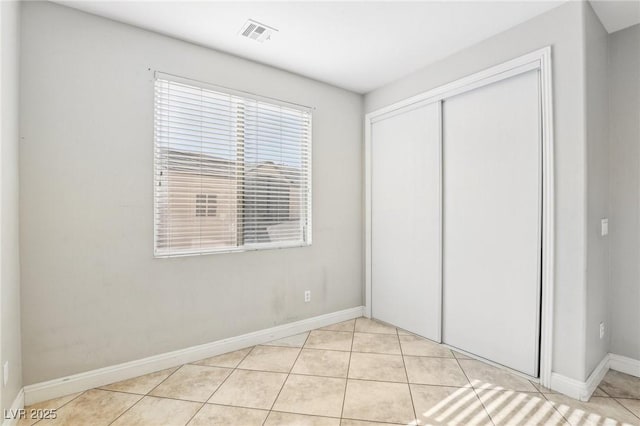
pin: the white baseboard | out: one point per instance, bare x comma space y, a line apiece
583, 390
11, 417
566, 385
577, 389
83, 381
596, 377
624, 364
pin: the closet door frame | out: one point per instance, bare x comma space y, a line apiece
538, 60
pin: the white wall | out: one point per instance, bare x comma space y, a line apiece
624, 104
597, 132
9, 248
562, 28
93, 295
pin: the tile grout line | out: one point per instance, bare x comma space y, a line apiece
501, 389
58, 408
474, 390
233, 370
620, 397
300, 374
127, 410
287, 378
153, 396
143, 396
424, 356
389, 334
305, 414
504, 404
603, 391
413, 404
148, 394
623, 406
219, 386
194, 414
553, 404
508, 403
376, 422
226, 353
346, 382
352, 332
163, 380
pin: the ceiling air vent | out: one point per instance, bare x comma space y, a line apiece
257, 31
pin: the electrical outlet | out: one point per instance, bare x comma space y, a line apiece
601, 330
5, 373
307, 296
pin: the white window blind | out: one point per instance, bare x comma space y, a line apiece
232, 171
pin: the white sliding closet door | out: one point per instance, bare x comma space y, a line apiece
405, 220
492, 222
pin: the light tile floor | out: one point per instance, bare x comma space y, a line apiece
355, 373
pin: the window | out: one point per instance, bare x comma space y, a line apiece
232, 171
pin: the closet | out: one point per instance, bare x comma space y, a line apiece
406, 220
456, 217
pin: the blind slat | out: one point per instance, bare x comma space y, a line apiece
231, 172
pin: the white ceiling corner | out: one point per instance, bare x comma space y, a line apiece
617, 15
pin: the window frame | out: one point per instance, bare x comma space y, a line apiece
245, 247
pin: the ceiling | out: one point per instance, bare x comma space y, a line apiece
617, 15
357, 45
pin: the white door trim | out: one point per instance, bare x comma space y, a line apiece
540, 60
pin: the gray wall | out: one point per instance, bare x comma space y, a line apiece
624, 104
93, 295
563, 29
9, 236
597, 132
